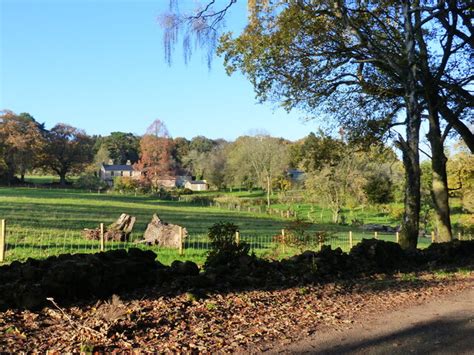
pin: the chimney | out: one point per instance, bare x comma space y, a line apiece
129, 162
111, 162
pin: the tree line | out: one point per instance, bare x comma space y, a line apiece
338, 173
371, 66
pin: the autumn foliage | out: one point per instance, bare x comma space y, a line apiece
156, 148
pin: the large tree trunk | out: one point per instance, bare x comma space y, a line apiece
439, 187
410, 147
439, 183
411, 217
62, 179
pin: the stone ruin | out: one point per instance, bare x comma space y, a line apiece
119, 231
164, 234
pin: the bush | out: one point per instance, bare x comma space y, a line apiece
465, 224
197, 199
163, 194
228, 200
298, 236
396, 212
224, 248
90, 182
379, 189
185, 191
126, 184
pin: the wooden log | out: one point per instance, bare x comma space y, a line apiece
164, 234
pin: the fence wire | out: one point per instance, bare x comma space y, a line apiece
21, 244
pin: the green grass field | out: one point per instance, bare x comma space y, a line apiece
43, 222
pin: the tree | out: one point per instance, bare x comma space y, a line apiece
216, 167
262, 156
180, 150
379, 189
202, 144
156, 149
318, 151
67, 149
204, 156
21, 142
373, 55
102, 156
122, 147
338, 185
195, 162
461, 177
315, 55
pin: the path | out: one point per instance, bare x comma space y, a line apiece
445, 326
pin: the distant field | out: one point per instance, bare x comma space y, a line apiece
44, 222
45, 179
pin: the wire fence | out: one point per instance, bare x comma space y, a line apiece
19, 244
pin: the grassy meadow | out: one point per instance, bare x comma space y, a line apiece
43, 222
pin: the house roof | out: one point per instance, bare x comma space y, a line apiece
198, 182
117, 167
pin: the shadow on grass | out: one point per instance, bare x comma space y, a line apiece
197, 220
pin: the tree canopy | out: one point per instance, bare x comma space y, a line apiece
369, 65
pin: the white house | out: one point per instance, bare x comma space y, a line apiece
110, 171
197, 185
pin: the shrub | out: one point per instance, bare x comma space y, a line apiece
396, 212
163, 194
197, 199
466, 225
379, 189
185, 191
357, 222
228, 200
126, 184
90, 182
298, 236
224, 248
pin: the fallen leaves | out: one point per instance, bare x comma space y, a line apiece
252, 320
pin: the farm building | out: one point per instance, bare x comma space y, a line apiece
110, 171
197, 185
172, 181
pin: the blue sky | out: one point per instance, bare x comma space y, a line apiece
99, 65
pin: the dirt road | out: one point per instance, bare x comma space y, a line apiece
440, 327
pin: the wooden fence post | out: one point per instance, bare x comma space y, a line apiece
102, 237
181, 251
283, 240
376, 235
432, 236
287, 214
3, 232
459, 235
237, 237
397, 237
350, 239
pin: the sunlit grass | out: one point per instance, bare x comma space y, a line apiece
43, 222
